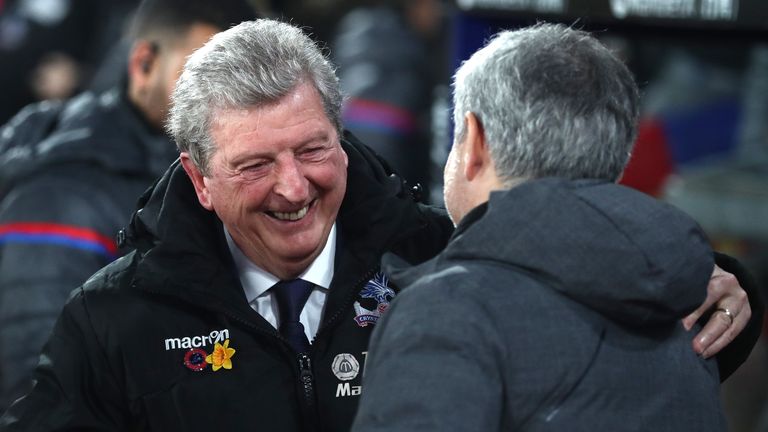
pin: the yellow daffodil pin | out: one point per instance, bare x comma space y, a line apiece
221, 357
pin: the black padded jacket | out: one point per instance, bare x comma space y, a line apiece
128, 352
70, 176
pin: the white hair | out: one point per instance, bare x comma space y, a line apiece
249, 65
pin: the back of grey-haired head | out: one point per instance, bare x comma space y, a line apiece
250, 65
553, 101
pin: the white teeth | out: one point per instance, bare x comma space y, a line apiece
291, 216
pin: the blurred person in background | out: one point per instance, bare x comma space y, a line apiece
50, 48
389, 58
71, 172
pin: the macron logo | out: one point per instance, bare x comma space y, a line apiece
189, 342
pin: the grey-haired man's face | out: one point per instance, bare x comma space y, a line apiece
277, 180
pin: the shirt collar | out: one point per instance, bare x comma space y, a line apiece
257, 281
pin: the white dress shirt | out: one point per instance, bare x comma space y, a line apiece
257, 282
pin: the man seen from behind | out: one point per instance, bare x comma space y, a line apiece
557, 304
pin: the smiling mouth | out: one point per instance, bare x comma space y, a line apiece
290, 216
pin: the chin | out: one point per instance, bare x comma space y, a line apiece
302, 250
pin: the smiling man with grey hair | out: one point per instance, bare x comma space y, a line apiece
557, 304
255, 282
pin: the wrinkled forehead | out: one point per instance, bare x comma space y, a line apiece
289, 123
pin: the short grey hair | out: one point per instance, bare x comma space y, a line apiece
250, 65
553, 101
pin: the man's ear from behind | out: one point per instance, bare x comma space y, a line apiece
474, 150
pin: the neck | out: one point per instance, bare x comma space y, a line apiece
141, 114
282, 269
511, 183
287, 271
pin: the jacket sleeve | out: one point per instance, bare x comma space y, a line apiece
425, 373
431, 239
74, 388
51, 241
733, 355
367, 168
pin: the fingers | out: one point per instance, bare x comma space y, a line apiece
691, 319
727, 314
719, 331
723, 293
740, 321
719, 285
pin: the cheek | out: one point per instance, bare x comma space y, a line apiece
174, 67
331, 176
449, 186
249, 197
224, 196
449, 172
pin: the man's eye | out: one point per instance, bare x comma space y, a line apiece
312, 151
257, 165
253, 167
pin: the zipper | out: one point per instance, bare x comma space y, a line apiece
307, 379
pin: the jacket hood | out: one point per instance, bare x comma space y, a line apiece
626, 255
95, 129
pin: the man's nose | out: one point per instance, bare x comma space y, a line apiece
291, 183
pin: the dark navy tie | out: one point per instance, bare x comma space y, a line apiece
290, 296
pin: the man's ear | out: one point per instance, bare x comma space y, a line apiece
476, 155
198, 180
141, 60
